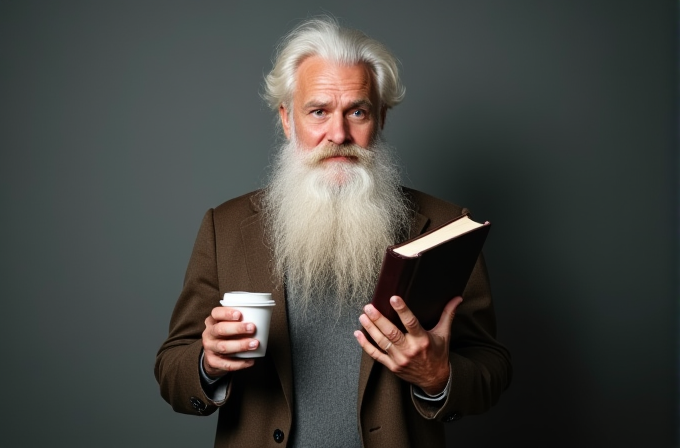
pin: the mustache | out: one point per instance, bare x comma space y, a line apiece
327, 150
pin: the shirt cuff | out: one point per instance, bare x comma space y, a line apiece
214, 388
421, 394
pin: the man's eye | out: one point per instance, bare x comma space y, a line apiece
359, 113
317, 113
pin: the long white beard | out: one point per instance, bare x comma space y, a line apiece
330, 221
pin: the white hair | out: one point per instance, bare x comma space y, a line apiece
325, 38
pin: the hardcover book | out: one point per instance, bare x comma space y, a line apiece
430, 270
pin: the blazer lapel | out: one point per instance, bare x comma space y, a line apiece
367, 363
260, 271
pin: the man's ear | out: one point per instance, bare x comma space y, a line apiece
383, 115
285, 120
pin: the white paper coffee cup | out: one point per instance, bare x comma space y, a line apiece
255, 307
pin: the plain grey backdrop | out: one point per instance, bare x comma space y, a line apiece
122, 122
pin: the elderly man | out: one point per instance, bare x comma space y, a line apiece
315, 237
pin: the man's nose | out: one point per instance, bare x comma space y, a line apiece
337, 130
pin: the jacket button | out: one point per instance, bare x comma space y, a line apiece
198, 405
278, 436
452, 417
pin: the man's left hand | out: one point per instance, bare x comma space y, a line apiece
419, 357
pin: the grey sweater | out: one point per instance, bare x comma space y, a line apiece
325, 376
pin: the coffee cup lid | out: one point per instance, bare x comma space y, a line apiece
243, 298
237, 302
247, 295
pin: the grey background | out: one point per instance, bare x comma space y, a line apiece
122, 122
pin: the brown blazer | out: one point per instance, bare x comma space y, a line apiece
231, 254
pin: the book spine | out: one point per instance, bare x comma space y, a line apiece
395, 280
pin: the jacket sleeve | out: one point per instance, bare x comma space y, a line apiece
177, 361
480, 365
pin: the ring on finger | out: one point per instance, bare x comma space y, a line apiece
388, 346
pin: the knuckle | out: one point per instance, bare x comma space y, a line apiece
393, 334
411, 321
220, 330
211, 361
398, 368
402, 364
206, 337
366, 322
424, 345
409, 353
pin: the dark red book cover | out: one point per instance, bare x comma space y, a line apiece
431, 278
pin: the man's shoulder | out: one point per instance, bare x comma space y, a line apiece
240, 207
437, 210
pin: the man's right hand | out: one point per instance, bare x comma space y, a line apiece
225, 335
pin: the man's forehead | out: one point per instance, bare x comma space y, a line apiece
320, 79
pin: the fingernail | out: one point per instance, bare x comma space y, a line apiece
252, 344
250, 328
236, 315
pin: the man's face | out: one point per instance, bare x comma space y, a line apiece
333, 177
332, 103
